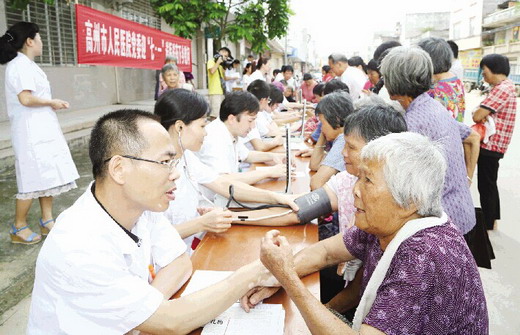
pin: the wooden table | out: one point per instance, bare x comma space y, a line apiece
241, 245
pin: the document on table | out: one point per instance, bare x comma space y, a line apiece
263, 319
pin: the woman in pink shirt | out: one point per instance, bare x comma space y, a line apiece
307, 87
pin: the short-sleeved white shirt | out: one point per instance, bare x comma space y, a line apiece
355, 80
91, 277
263, 120
188, 194
256, 75
220, 151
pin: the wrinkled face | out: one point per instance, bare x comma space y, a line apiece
192, 135
171, 78
327, 130
150, 186
243, 126
351, 153
287, 75
376, 211
373, 76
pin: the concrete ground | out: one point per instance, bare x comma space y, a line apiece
501, 284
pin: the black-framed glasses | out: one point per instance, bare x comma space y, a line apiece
171, 164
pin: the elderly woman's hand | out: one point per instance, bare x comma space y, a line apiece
276, 254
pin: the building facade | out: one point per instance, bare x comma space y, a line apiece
87, 86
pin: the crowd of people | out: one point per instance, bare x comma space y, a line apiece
391, 155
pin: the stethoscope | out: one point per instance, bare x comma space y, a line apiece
194, 184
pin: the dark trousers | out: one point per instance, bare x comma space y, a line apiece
487, 185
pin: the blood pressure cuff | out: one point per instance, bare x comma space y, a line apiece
313, 205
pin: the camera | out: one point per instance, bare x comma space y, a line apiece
227, 62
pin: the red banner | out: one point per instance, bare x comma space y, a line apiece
106, 39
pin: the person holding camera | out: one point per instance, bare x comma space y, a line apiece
216, 79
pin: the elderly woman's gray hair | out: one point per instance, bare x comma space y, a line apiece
374, 120
337, 57
169, 67
414, 170
440, 53
170, 58
335, 107
407, 71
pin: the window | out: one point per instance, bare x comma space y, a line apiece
141, 11
57, 28
456, 31
473, 26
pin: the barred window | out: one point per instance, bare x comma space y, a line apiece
57, 24
141, 11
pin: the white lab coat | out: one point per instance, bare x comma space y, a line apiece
43, 160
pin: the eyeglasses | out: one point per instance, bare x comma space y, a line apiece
171, 164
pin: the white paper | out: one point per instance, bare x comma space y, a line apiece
261, 320
204, 278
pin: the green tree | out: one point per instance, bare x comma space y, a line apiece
256, 21
22, 4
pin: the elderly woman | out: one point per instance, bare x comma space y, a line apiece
171, 75
408, 76
500, 105
419, 275
448, 89
160, 85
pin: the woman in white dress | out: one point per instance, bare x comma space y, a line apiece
44, 166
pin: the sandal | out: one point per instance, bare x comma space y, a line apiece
32, 239
43, 229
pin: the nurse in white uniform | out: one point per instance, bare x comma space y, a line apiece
44, 166
183, 114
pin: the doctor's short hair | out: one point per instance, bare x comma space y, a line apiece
117, 133
259, 88
236, 103
275, 95
180, 105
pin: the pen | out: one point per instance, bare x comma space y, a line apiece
151, 269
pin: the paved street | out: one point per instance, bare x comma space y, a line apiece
501, 284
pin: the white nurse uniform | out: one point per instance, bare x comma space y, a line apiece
44, 165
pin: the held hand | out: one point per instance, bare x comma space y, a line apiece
255, 296
307, 152
278, 158
286, 199
278, 140
277, 171
59, 104
217, 220
276, 254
